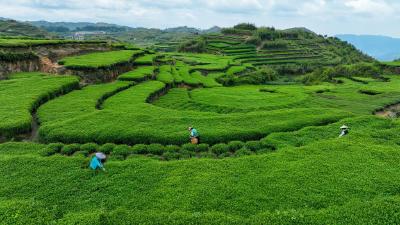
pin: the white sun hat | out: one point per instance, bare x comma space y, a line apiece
101, 155
344, 127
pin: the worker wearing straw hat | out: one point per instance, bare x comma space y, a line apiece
194, 135
97, 161
344, 130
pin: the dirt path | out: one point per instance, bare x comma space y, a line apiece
391, 111
48, 66
35, 128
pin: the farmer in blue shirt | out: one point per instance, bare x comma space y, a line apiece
96, 162
194, 135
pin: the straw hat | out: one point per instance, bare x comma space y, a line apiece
101, 155
344, 127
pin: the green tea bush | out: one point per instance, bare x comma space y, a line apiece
225, 155
221, 114
243, 152
56, 147
172, 148
99, 59
155, 149
219, 148
171, 155
202, 147
107, 148
52, 149
235, 145
13, 57
138, 74
90, 147
209, 155
23, 93
279, 44
122, 150
70, 149
189, 147
165, 75
253, 145
140, 149
81, 153
185, 154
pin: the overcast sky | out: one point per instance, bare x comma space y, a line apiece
322, 16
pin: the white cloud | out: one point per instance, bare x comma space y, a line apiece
323, 16
373, 7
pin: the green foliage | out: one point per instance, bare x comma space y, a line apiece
233, 31
23, 93
262, 75
189, 147
243, 152
15, 28
27, 42
266, 33
139, 74
99, 60
146, 60
140, 149
89, 147
278, 44
13, 57
313, 177
235, 145
107, 148
165, 75
193, 46
172, 148
349, 71
70, 149
52, 149
202, 147
155, 149
122, 150
219, 149
245, 26
254, 145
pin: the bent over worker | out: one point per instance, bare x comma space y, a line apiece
97, 161
194, 135
344, 130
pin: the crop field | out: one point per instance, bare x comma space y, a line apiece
138, 74
269, 150
96, 60
14, 42
22, 93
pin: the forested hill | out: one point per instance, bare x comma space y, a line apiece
15, 28
296, 47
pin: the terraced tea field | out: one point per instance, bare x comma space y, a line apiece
269, 152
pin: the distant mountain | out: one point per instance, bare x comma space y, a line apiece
15, 28
72, 25
86, 26
214, 29
138, 35
380, 47
183, 29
